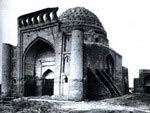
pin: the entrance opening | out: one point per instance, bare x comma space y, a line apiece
48, 83
30, 86
147, 84
38, 57
147, 89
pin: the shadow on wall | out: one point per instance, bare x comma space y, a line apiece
96, 90
100, 85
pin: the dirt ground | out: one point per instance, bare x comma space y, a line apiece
133, 103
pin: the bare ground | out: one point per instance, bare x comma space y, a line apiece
134, 103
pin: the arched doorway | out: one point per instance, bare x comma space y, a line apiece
110, 65
48, 83
147, 84
39, 55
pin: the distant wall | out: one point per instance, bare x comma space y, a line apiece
0, 59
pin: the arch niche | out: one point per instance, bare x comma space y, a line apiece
38, 56
110, 65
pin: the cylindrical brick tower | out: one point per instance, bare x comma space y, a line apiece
76, 66
6, 69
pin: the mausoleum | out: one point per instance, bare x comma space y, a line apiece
66, 56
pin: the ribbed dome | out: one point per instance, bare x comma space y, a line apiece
80, 16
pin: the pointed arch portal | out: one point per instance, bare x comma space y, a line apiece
38, 56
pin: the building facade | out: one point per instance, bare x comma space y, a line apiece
66, 56
142, 84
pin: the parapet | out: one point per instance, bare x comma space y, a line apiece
41, 16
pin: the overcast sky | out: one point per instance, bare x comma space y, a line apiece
127, 23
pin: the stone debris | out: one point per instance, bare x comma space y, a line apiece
136, 103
